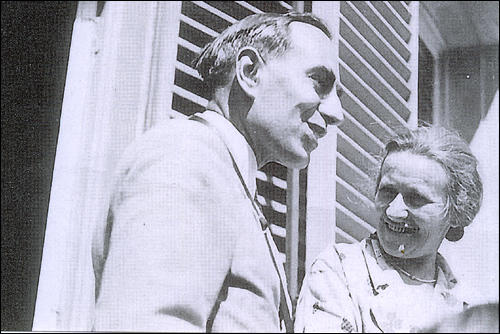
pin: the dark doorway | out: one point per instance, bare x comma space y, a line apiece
35, 45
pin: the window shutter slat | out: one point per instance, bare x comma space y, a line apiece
354, 176
377, 71
385, 31
389, 14
371, 78
364, 116
351, 14
355, 154
371, 56
369, 98
351, 224
356, 203
402, 9
364, 138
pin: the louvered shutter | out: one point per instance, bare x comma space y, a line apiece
378, 50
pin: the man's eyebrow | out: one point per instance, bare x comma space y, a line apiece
324, 71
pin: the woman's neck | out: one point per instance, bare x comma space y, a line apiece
422, 269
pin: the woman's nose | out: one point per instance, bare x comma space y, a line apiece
397, 208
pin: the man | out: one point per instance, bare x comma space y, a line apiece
186, 248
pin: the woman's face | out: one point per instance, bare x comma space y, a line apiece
411, 200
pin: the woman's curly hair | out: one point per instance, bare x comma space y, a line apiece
464, 186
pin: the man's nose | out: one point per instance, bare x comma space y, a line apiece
397, 209
331, 109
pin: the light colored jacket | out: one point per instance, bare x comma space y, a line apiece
185, 251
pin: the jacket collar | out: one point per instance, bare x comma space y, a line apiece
237, 145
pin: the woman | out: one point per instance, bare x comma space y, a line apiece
428, 188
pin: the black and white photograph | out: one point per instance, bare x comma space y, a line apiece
250, 166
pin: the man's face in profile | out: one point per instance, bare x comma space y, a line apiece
296, 98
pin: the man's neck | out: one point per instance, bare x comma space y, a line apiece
220, 105
215, 106
220, 102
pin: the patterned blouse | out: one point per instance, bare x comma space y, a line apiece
350, 288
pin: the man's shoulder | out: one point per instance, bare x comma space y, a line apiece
180, 137
176, 149
178, 130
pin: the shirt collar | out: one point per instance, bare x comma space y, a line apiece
445, 278
237, 145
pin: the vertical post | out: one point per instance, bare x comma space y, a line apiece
298, 6
65, 202
321, 173
164, 57
292, 218
430, 35
413, 65
292, 232
101, 110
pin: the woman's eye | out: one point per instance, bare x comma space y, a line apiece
386, 194
415, 200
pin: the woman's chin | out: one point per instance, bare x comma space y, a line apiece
394, 248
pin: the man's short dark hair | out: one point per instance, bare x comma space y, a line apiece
268, 33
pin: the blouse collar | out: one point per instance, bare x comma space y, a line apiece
445, 277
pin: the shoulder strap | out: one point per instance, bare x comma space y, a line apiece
285, 303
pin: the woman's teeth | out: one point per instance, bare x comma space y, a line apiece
400, 227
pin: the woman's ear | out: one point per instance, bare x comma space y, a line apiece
248, 64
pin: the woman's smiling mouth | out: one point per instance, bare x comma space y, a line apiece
400, 227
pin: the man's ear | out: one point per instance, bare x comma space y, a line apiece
248, 65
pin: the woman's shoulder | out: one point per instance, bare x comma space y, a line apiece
337, 253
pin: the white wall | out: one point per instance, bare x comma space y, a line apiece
475, 258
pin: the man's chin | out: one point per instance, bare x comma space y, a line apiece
298, 162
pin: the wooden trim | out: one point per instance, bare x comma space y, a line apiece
292, 218
188, 70
163, 64
62, 224
429, 33
321, 184
387, 30
357, 221
144, 117
292, 232
413, 64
